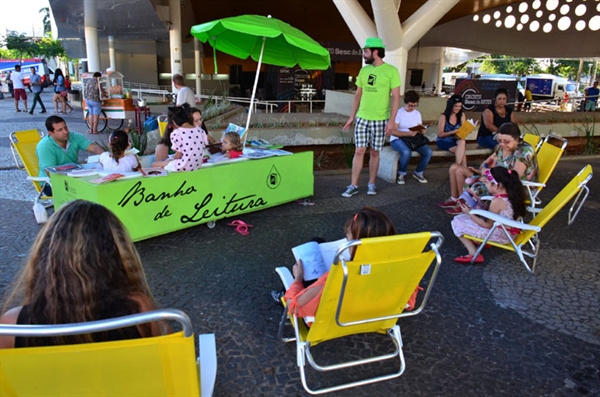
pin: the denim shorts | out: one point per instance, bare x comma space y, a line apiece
446, 143
94, 107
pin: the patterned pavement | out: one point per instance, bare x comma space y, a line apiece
488, 330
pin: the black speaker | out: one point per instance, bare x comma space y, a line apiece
416, 77
235, 72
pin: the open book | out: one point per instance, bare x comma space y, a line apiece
466, 128
317, 258
418, 128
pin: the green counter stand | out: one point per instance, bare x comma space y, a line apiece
151, 206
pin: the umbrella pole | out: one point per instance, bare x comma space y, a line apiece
262, 49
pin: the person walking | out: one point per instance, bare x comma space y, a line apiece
36, 86
19, 88
375, 111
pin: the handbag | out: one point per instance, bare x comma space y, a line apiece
415, 142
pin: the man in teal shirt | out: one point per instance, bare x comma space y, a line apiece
60, 146
375, 106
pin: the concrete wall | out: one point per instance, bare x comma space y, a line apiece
341, 102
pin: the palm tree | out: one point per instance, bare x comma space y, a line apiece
46, 20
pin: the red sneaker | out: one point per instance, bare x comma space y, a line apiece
454, 210
467, 259
447, 204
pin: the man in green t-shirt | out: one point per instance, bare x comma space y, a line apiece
60, 146
375, 106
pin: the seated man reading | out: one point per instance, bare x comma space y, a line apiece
60, 146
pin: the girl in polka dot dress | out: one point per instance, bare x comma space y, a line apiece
189, 141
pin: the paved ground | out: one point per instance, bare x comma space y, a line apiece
488, 330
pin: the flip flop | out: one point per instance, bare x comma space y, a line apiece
241, 227
305, 202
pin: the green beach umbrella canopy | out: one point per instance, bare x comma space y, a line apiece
242, 37
265, 39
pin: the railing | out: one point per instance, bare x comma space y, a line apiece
138, 90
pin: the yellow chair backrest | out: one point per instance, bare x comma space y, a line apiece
24, 144
557, 203
162, 124
158, 366
547, 158
533, 140
381, 278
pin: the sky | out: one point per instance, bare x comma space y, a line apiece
22, 16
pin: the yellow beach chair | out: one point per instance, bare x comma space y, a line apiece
547, 158
365, 295
156, 366
22, 146
162, 124
527, 242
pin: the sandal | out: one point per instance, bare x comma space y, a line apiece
241, 227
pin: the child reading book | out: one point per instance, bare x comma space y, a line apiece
116, 160
188, 142
509, 201
231, 145
368, 222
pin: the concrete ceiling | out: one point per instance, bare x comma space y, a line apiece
320, 19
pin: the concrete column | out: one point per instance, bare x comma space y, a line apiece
357, 20
111, 53
198, 65
175, 38
398, 38
440, 71
91, 35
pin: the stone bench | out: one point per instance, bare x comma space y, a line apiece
388, 159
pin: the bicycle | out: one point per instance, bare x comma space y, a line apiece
104, 121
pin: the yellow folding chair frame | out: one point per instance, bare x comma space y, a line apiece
547, 158
157, 366
162, 124
22, 146
367, 294
533, 140
527, 243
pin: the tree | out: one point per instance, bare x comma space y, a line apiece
566, 67
22, 46
46, 20
501, 64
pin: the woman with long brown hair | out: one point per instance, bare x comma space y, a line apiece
82, 267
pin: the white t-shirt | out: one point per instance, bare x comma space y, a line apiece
126, 164
186, 95
406, 120
17, 80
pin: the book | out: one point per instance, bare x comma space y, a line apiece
263, 153
153, 171
317, 258
419, 127
80, 173
107, 178
235, 128
63, 169
466, 128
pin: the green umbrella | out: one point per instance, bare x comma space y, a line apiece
265, 39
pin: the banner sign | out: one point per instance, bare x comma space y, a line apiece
151, 206
479, 94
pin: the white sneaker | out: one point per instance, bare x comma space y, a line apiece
371, 189
400, 180
420, 178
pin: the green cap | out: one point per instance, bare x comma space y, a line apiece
374, 42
